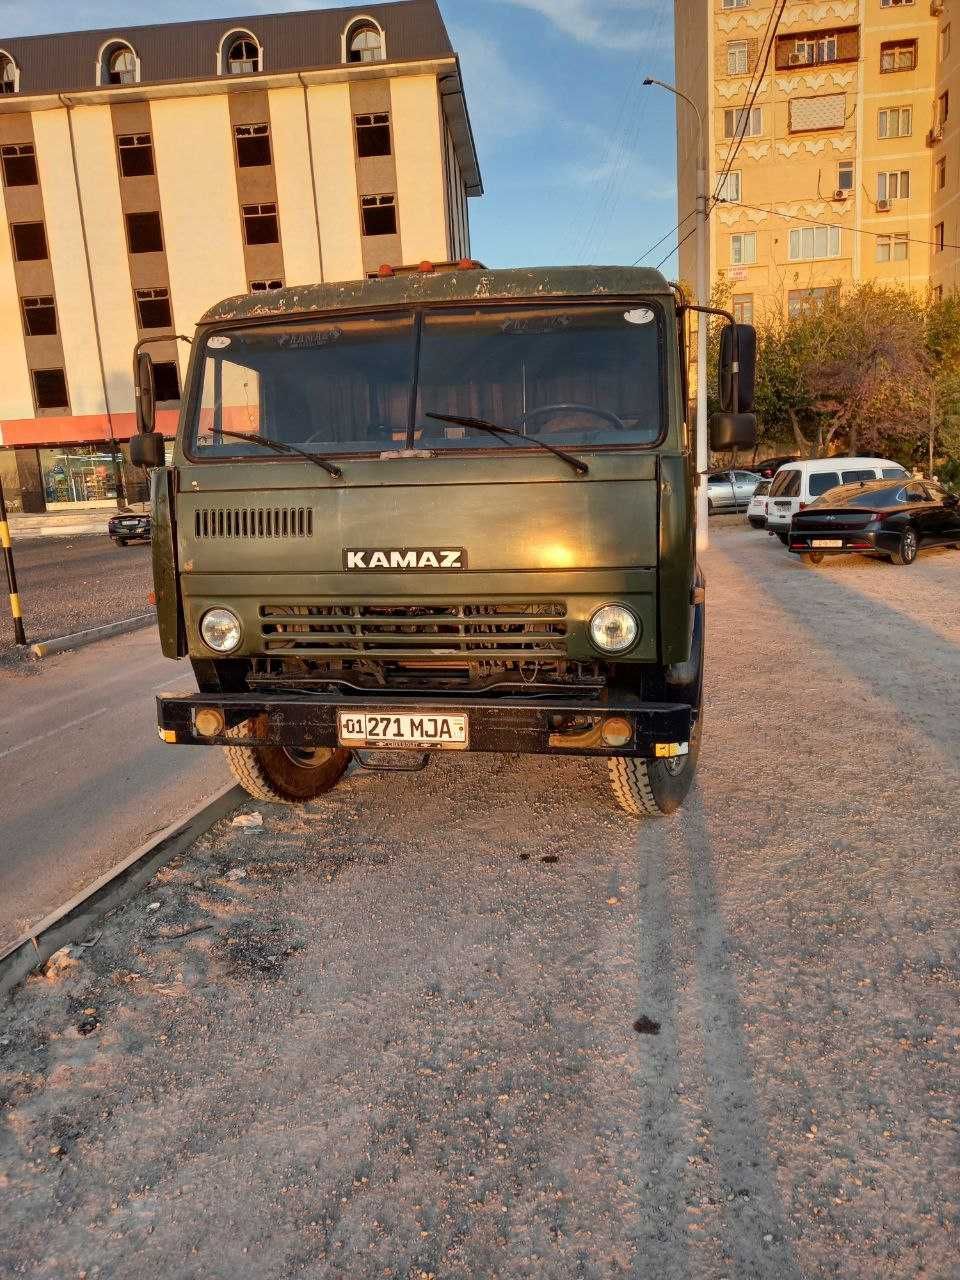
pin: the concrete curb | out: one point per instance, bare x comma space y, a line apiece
119, 884
81, 638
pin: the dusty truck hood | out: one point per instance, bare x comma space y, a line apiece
506, 515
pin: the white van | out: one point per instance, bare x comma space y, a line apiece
797, 484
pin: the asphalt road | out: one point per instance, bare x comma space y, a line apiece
475, 1022
85, 778
69, 584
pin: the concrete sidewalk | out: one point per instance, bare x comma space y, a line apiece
64, 524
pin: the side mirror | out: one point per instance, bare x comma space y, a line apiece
146, 392
146, 450
733, 431
737, 368
951, 500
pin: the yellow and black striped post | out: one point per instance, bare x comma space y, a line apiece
5, 544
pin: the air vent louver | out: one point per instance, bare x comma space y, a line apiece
223, 523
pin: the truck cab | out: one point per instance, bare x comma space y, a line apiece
436, 512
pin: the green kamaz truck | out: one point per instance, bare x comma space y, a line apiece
442, 511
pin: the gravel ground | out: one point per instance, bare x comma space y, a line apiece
474, 1022
69, 584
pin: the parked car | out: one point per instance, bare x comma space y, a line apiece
769, 467
878, 518
798, 484
757, 510
129, 526
730, 490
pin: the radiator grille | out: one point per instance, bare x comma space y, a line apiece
508, 630
253, 522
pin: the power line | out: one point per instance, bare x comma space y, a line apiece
676, 247
646, 253
737, 139
860, 231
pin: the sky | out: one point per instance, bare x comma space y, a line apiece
578, 158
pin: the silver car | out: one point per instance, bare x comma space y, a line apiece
730, 490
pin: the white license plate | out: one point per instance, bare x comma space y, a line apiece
376, 729
826, 542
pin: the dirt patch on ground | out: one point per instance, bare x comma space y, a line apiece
475, 1022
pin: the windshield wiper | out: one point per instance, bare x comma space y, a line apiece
280, 446
479, 424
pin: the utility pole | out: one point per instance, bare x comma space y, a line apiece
5, 543
703, 300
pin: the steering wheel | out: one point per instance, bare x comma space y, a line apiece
546, 409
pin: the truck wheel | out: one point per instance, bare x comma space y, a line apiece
649, 788
286, 775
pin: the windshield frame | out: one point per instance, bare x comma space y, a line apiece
194, 382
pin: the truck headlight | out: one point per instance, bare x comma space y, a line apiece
614, 628
220, 629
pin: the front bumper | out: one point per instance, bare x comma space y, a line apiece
511, 726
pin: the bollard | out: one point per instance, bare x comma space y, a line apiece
18, 631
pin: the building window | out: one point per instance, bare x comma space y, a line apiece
118, 64
730, 187
153, 308
379, 215
741, 122
936, 293
898, 55
373, 135
809, 51
136, 154
735, 4
265, 286
809, 243
9, 74
845, 173
364, 43
737, 58
19, 165
944, 42
50, 389
940, 173
943, 108
894, 186
166, 379
29, 242
825, 111
240, 54
895, 122
894, 4
260, 225
144, 233
39, 317
939, 239
743, 248
893, 248
743, 308
253, 145
801, 300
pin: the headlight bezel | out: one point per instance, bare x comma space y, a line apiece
630, 614
229, 613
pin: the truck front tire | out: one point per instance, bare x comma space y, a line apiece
282, 775
651, 788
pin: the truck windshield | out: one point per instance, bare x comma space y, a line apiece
575, 375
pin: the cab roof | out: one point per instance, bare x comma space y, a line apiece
422, 288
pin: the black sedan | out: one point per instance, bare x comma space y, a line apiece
130, 526
895, 519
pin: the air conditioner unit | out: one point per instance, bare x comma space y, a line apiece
936, 8
840, 194
797, 60
935, 135
884, 206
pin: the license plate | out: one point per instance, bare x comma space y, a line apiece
826, 542
376, 729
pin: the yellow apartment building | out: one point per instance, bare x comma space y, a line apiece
836, 177
147, 172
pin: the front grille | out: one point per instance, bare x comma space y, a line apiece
252, 522
508, 630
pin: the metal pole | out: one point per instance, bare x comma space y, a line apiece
18, 632
703, 290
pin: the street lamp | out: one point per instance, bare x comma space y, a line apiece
703, 300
